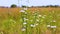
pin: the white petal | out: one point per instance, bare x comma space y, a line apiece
25, 19
40, 15
37, 20
22, 11
23, 29
54, 21
24, 23
43, 17
36, 24
48, 25
25, 12
32, 25
53, 26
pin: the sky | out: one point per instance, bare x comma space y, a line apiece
29, 3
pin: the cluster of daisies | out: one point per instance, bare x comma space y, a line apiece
50, 26
33, 25
25, 19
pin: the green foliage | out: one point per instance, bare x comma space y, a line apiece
24, 6
13, 6
14, 24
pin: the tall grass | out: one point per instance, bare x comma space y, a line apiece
30, 21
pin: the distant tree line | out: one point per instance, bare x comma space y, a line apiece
14, 6
51, 6
48, 6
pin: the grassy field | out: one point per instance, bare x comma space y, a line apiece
32, 21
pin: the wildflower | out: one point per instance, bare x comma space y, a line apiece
37, 20
54, 21
24, 23
36, 24
25, 19
53, 26
23, 29
43, 17
22, 11
48, 25
40, 15
25, 8
32, 25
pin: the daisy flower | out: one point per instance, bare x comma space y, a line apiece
53, 26
37, 20
32, 25
43, 16
48, 25
54, 21
23, 29
24, 23
40, 15
25, 19
36, 24
22, 11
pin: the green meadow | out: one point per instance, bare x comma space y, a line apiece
30, 21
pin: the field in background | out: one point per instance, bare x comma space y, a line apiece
11, 21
